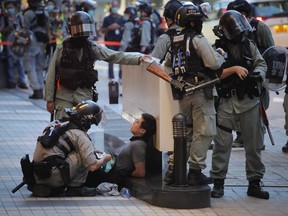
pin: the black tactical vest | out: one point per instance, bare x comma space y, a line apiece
185, 61
233, 85
77, 66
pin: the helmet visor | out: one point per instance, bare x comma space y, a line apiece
85, 29
233, 26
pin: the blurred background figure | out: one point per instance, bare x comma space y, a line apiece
13, 65
112, 28
130, 16
144, 36
56, 29
36, 20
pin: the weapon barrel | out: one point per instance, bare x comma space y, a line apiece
191, 89
18, 187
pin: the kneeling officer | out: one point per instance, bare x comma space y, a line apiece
65, 154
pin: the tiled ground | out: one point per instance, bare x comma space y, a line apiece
21, 122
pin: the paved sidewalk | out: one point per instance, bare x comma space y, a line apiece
22, 121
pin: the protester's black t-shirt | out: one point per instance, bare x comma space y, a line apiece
113, 35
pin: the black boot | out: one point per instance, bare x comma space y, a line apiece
37, 94
169, 175
218, 189
81, 191
196, 177
285, 148
255, 190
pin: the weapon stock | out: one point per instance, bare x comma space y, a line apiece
159, 71
265, 121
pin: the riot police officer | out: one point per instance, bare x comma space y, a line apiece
239, 103
71, 74
163, 42
62, 159
194, 61
262, 36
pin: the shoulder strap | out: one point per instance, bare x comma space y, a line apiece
170, 33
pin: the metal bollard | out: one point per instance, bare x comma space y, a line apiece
180, 149
113, 92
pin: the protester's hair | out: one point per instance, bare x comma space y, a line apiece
149, 124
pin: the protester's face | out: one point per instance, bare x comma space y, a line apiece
136, 129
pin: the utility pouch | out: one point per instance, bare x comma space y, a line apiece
94, 94
27, 170
63, 167
177, 93
43, 169
208, 92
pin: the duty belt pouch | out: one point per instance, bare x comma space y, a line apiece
63, 167
43, 170
27, 170
208, 92
177, 93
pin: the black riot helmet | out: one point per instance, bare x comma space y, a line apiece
85, 114
240, 6
131, 11
33, 4
87, 5
171, 8
146, 7
188, 13
81, 25
234, 25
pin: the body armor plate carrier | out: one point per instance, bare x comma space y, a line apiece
187, 65
77, 66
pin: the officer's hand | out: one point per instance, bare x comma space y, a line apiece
144, 58
241, 72
50, 106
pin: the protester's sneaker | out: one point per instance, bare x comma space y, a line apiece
285, 148
218, 188
255, 190
238, 142
196, 177
23, 86
81, 191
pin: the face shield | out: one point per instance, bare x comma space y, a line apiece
233, 24
104, 121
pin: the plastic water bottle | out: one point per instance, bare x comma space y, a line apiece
125, 192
